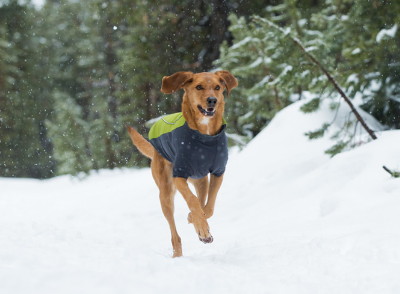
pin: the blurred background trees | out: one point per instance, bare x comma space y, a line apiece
25, 149
361, 53
73, 74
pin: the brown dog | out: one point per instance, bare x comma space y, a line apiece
194, 148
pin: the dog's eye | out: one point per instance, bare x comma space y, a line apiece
217, 88
199, 87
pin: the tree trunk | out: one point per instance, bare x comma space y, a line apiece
218, 32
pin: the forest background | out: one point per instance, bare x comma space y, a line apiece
73, 74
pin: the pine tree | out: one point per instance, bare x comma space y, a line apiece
373, 63
23, 149
261, 68
8, 71
72, 149
87, 59
338, 33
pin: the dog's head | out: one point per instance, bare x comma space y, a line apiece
204, 92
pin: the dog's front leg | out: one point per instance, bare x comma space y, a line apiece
215, 184
197, 216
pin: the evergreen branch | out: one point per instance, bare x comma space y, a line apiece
318, 133
311, 106
298, 43
337, 148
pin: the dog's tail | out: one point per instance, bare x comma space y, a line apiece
141, 143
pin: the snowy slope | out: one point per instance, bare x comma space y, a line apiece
288, 220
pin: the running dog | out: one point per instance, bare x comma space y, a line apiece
188, 146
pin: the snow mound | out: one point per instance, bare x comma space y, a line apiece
288, 219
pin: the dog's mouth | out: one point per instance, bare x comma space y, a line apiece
210, 111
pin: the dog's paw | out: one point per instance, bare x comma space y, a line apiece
209, 239
201, 226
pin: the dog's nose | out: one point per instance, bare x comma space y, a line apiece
211, 101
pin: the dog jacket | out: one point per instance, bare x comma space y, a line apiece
192, 154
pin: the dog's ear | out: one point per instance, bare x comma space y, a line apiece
171, 84
228, 79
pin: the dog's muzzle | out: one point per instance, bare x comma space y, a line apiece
211, 103
209, 112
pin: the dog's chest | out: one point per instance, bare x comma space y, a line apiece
199, 157
205, 122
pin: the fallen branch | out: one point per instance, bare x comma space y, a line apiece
394, 174
322, 68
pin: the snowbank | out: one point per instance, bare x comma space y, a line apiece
288, 220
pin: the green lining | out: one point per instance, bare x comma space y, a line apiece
169, 123
166, 124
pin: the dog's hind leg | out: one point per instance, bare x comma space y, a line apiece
162, 173
167, 205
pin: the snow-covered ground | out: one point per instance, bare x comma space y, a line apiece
288, 220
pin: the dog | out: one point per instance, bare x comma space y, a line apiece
190, 147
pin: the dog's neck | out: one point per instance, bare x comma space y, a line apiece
207, 125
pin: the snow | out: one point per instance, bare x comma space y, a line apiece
389, 33
288, 219
264, 80
243, 42
38, 3
257, 62
287, 68
353, 78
